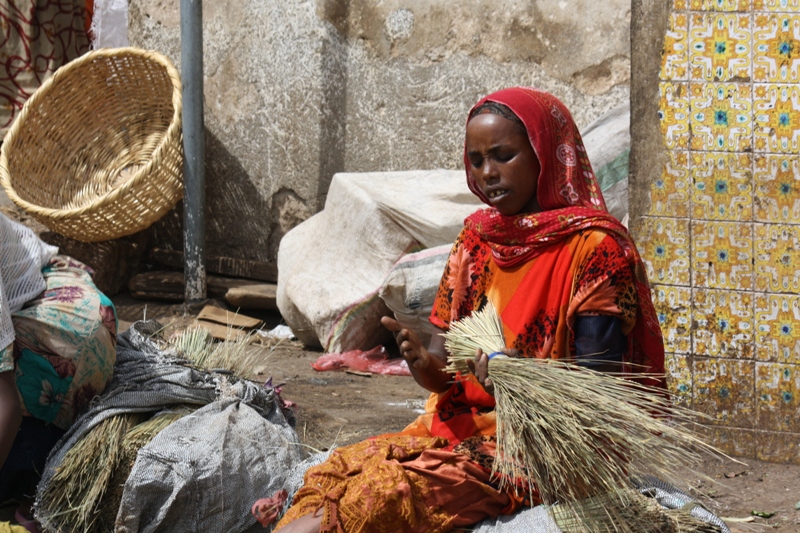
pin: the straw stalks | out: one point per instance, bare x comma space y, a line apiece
73, 497
85, 493
606, 511
196, 345
136, 438
570, 433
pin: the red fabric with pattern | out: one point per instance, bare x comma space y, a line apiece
37, 37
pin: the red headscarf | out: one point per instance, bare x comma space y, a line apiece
571, 201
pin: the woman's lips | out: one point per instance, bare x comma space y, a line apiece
496, 194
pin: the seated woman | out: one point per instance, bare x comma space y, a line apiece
57, 351
568, 283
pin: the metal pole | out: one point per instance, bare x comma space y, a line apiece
194, 231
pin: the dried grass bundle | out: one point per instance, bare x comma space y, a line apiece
197, 345
74, 495
86, 490
136, 438
569, 432
606, 512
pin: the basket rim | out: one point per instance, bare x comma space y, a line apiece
173, 131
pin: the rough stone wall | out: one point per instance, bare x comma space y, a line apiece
296, 90
715, 202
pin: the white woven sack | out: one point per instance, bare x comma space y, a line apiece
410, 288
332, 265
608, 145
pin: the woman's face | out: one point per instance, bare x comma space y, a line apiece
503, 164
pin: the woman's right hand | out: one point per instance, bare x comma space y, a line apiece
410, 346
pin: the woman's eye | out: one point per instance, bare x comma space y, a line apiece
476, 161
505, 158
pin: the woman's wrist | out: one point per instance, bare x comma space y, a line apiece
432, 377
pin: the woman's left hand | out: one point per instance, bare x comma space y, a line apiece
480, 367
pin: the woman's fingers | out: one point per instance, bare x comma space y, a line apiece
391, 324
480, 367
401, 334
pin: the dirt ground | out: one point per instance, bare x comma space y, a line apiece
338, 408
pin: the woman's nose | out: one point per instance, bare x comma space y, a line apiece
490, 171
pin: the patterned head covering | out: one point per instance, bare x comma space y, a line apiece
566, 178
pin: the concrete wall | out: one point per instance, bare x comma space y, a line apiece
297, 90
715, 202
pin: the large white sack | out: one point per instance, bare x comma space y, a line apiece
411, 286
332, 265
608, 145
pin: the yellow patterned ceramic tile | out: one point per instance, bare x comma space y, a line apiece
679, 5
776, 44
674, 56
674, 310
777, 258
777, 189
669, 194
721, 118
719, 5
778, 393
723, 323
722, 255
733, 441
777, 318
679, 379
664, 245
776, 110
722, 186
719, 47
673, 114
723, 389
784, 6
777, 447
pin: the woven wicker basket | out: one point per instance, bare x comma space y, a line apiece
96, 152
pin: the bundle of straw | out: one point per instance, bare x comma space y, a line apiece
85, 493
568, 432
135, 439
197, 345
606, 511
74, 496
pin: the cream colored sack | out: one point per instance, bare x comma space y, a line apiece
332, 265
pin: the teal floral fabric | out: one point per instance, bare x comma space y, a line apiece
65, 345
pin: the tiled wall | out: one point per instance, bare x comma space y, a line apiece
721, 239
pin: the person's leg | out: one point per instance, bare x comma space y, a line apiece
21, 471
10, 415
